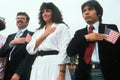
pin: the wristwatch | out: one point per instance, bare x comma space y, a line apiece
63, 71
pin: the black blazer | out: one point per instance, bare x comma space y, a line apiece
109, 54
17, 57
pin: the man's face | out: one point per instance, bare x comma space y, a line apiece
21, 21
90, 15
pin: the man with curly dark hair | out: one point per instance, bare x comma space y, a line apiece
14, 48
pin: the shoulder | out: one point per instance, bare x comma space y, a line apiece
12, 34
61, 27
31, 32
81, 30
1, 36
111, 26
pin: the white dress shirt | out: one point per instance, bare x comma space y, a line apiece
95, 55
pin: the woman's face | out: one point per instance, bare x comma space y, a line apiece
47, 15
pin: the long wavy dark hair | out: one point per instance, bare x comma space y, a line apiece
56, 14
94, 4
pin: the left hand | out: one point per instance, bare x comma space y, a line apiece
15, 77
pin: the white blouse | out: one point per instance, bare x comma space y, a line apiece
58, 40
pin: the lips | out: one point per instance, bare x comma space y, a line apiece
45, 16
87, 17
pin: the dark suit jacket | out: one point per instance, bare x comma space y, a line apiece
109, 54
17, 57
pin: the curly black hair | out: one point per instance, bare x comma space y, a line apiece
56, 14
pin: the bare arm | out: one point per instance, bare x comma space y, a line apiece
62, 72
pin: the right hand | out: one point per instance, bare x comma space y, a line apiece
44, 35
15, 77
95, 37
17, 41
49, 31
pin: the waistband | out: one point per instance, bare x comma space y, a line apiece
43, 53
95, 65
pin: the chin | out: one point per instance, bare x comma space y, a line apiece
90, 22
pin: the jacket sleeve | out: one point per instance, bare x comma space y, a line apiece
77, 43
26, 65
4, 51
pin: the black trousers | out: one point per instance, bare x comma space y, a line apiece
96, 73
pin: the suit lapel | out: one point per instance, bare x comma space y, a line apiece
85, 30
101, 28
25, 33
12, 36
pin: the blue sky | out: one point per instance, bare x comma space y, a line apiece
70, 9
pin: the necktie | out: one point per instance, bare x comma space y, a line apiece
89, 49
18, 34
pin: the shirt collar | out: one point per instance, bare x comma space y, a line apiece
53, 25
23, 30
95, 25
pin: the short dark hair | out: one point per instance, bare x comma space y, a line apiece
56, 14
2, 23
25, 14
94, 4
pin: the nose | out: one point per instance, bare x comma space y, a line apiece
86, 12
44, 12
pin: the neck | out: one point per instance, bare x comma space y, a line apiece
92, 22
49, 24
